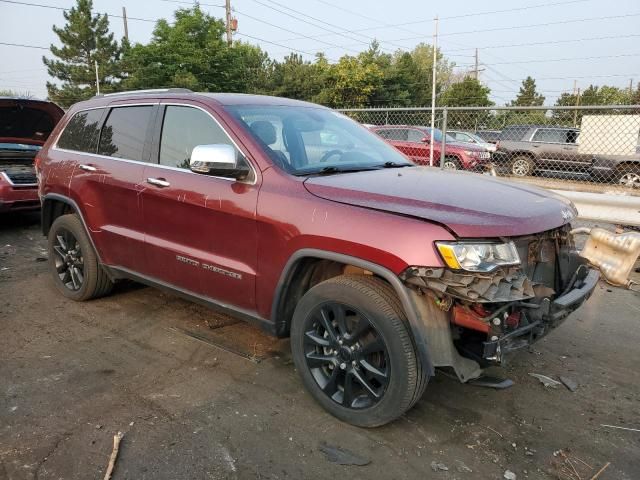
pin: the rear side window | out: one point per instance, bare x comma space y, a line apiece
550, 135
398, 134
513, 133
183, 129
82, 132
124, 132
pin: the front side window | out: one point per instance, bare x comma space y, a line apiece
305, 140
124, 132
415, 136
184, 128
82, 132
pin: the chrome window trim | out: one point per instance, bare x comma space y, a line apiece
157, 165
8, 180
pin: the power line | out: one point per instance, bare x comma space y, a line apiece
599, 57
53, 7
551, 42
23, 45
515, 9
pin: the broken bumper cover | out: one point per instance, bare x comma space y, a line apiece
553, 313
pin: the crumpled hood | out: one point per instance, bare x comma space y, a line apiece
471, 205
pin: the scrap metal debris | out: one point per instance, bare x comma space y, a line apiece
438, 467
114, 455
546, 381
621, 428
569, 383
343, 457
509, 475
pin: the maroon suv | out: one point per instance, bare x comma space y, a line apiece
24, 127
295, 217
415, 143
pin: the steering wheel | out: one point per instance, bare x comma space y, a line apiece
330, 154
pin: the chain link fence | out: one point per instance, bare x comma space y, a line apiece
584, 148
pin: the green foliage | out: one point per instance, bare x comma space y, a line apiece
592, 95
528, 95
467, 93
85, 39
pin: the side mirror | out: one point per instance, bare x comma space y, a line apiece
425, 140
219, 160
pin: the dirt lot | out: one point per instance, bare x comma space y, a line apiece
145, 363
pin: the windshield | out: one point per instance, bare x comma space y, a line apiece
306, 140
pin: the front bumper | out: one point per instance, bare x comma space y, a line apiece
550, 314
18, 197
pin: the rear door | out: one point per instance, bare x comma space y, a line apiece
557, 150
200, 230
105, 184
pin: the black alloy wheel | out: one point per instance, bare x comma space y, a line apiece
346, 355
69, 262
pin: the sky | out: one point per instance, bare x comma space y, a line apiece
558, 42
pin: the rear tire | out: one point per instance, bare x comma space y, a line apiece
77, 274
522, 166
352, 348
628, 176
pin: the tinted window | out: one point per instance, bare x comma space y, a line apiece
550, 135
415, 136
124, 132
513, 133
184, 128
82, 132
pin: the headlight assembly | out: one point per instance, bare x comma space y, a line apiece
478, 257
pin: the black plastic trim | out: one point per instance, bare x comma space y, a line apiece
416, 324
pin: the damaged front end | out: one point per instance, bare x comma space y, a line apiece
518, 293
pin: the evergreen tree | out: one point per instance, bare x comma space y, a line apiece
85, 40
528, 96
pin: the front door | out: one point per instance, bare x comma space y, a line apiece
200, 230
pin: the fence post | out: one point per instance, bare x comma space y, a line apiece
444, 137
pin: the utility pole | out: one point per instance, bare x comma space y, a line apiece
475, 71
227, 6
575, 112
95, 62
126, 27
631, 86
433, 92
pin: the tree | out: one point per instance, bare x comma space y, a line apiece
191, 53
592, 95
85, 40
528, 96
12, 93
467, 93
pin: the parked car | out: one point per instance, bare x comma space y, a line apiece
491, 136
24, 127
621, 169
468, 137
297, 218
525, 149
414, 142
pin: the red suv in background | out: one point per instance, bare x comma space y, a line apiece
24, 127
414, 142
297, 218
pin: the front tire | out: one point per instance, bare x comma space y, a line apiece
451, 163
352, 347
522, 166
77, 274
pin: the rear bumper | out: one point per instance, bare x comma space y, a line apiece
553, 313
14, 198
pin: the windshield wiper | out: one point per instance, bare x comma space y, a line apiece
333, 169
396, 165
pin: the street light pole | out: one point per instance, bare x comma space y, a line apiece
433, 91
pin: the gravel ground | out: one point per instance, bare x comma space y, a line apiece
201, 395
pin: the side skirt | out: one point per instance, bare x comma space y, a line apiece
248, 316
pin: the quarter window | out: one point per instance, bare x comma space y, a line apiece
82, 132
124, 132
183, 129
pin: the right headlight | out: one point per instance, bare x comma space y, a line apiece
478, 257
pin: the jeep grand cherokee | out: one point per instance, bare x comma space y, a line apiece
295, 217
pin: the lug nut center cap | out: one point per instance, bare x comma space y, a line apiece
345, 354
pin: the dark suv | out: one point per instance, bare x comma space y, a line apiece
295, 217
525, 149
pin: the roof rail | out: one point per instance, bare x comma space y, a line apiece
147, 91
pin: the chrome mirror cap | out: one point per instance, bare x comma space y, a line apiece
220, 160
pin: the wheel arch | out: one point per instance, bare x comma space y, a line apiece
298, 276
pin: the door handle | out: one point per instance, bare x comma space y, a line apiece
88, 168
158, 182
